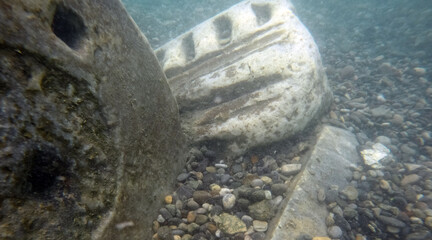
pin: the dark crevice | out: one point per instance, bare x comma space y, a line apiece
43, 167
68, 26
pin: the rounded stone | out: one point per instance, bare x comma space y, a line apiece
334, 232
350, 192
168, 199
191, 204
201, 219
228, 201
201, 196
191, 216
260, 226
257, 183
279, 189
385, 185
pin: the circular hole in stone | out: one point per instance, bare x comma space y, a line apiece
68, 26
44, 166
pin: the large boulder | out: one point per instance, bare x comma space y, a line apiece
90, 133
248, 76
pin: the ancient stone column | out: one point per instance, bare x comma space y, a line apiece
249, 76
89, 130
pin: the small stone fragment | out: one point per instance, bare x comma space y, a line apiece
260, 226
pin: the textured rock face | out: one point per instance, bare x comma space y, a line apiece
246, 77
83, 101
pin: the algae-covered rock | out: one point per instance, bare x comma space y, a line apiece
83, 101
229, 224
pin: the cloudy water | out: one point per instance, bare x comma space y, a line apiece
378, 59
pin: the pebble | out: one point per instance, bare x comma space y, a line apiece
385, 185
266, 180
164, 233
201, 219
263, 210
182, 177
228, 201
410, 179
334, 232
279, 189
191, 204
290, 169
191, 216
350, 192
201, 196
391, 221
260, 226
257, 183
247, 220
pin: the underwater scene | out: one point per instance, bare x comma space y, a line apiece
216, 119
377, 58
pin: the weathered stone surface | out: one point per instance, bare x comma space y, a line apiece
83, 101
246, 77
327, 165
230, 224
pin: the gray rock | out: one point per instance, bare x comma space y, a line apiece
258, 236
334, 232
279, 189
391, 221
165, 213
410, 179
270, 163
182, 177
192, 205
247, 220
201, 219
257, 196
201, 196
263, 210
236, 168
350, 192
225, 178
381, 111
421, 235
228, 201
260, 226
164, 233
290, 169
257, 183
83, 118
230, 224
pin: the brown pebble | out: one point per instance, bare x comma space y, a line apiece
212, 228
191, 217
321, 238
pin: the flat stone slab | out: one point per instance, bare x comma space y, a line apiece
327, 165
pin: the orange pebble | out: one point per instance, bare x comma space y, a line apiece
168, 199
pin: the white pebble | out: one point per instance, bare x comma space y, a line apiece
228, 201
